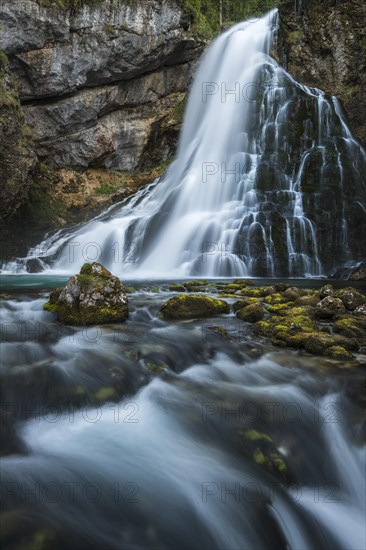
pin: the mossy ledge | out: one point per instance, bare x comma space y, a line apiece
92, 297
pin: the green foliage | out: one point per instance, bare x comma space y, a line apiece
179, 110
105, 189
207, 15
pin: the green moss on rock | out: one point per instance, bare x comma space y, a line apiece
338, 352
350, 297
251, 313
320, 342
94, 296
185, 306
350, 327
329, 307
106, 394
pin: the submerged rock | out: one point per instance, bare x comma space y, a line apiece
94, 296
190, 307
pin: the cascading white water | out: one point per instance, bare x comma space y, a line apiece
232, 203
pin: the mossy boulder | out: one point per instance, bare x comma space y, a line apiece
293, 293
243, 282
329, 307
309, 300
326, 290
185, 306
245, 302
360, 310
263, 328
275, 299
194, 286
258, 292
320, 342
251, 313
351, 327
279, 309
338, 352
92, 297
351, 298
177, 288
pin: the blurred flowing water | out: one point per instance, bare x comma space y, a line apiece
152, 434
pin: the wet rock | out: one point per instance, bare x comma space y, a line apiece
351, 298
279, 309
185, 306
252, 313
240, 304
338, 352
359, 273
350, 327
177, 288
292, 294
260, 447
94, 296
34, 266
310, 300
281, 287
321, 45
329, 307
326, 290
360, 310
194, 286
319, 343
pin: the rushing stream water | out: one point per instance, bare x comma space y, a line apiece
152, 434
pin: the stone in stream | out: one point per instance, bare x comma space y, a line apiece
251, 313
92, 297
326, 290
185, 306
351, 298
329, 307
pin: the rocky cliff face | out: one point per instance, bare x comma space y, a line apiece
17, 157
96, 83
323, 44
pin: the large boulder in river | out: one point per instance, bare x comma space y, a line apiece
185, 306
92, 297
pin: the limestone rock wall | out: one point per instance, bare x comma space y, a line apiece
94, 83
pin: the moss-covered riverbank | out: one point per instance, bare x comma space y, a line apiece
326, 322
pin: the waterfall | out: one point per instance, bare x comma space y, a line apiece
260, 185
